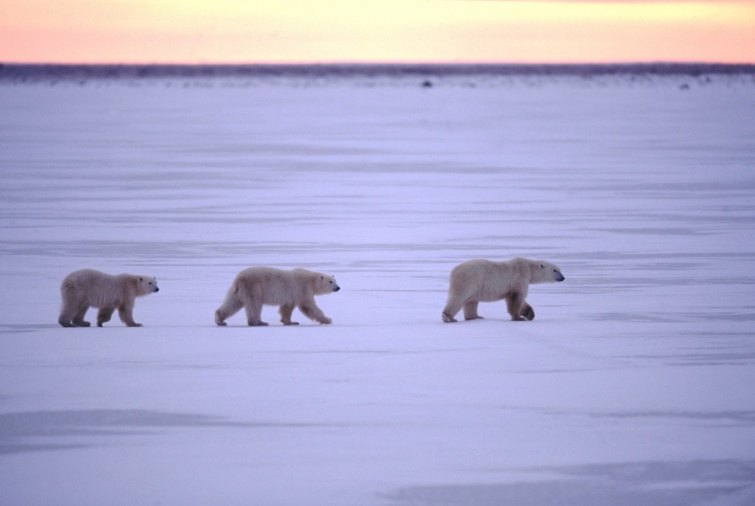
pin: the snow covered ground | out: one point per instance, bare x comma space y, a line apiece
634, 384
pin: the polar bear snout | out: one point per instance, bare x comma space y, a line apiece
559, 277
148, 285
331, 283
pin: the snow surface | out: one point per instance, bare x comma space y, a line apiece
634, 384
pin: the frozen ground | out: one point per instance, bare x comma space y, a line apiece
634, 385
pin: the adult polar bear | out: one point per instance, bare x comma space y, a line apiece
87, 288
258, 286
476, 281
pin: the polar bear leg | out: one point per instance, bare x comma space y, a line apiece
78, 319
470, 310
70, 310
514, 305
311, 311
254, 314
104, 314
453, 306
125, 312
231, 305
527, 312
286, 311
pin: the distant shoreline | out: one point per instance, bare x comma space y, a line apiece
24, 71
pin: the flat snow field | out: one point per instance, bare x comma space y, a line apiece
635, 384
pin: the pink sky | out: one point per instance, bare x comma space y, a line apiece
317, 31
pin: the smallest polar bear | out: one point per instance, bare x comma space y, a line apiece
258, 286
87, 287
476, 281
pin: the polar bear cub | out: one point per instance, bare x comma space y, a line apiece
87, 288
476, 281
258, 286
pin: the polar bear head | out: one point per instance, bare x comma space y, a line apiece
545, 272
327, 284
147, 285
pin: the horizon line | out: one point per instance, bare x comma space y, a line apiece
384, 64
97, 71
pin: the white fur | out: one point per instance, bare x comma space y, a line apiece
479, 280
258, 286
87, 288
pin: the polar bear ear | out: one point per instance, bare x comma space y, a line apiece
542, 266
141, 278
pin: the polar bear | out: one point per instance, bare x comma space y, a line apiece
476, 281
258, 286
87, 287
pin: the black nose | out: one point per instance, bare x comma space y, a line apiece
157, 289
336, 288
561, 278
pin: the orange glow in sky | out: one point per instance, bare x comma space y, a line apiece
318, 31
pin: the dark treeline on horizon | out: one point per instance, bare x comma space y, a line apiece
23, 71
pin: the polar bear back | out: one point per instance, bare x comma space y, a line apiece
98, 289
489, 281
274, 286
